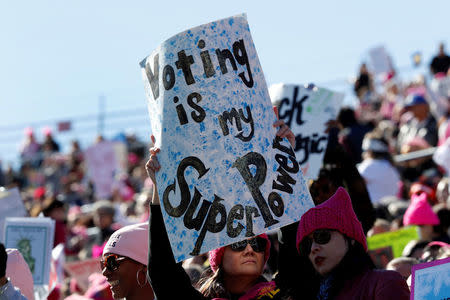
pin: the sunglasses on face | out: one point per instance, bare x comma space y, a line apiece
258, 244
320, 236
111, 262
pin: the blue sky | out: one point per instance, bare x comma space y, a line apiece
58, 57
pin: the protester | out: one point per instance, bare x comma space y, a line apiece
402, 265
333, 248
441, 62
124, 263
420, 213
7, 290
377, 168
236, 270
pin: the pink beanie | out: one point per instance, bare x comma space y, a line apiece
216, 255
18, 271
335, 213
420, 212
130, 241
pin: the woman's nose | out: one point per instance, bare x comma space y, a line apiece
248, 249
315, 247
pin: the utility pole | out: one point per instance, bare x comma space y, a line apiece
101, 115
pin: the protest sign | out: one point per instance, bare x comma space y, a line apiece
305, 111
225, 176
11, 205
431, 280
105, 161
380, 61
33, 237
396, 239
81, 270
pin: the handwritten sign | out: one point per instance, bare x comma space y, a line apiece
431, 280
225, 175
105, 161
81, 270
11, 205
305, 111
396, 239
33, 237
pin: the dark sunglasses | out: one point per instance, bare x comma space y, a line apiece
111, 262
320, 236
258, 244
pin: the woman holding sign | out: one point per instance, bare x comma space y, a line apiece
333, 250
236, 270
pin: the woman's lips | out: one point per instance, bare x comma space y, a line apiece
319, 260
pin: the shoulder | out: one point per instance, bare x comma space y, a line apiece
388, 284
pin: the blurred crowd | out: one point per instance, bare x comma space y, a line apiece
367, 155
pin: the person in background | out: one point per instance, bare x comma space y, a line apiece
49, 145
30, 149
352, 133
421, 125
336, 265
377, 168
421, 214
402, 265
124, 263
441, 62
7, 290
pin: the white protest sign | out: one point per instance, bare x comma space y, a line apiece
11, 205
224, 175
305, 111
380, 61
33, 237
105, 161
431, 280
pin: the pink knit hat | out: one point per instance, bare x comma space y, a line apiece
335, 213
216, 255
130, 241
18, 271
420, 212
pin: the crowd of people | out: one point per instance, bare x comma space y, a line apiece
367, 185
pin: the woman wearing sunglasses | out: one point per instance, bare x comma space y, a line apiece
236, 270
124, 263
335, 262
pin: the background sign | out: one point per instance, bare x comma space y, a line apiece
11, 205
305, 111
33, 237
224, 175
396, 239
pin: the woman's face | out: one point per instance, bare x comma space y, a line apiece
121, 275
247, 262
326, 256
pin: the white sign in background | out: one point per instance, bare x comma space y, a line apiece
106, 161
33, 237
224, 176
11, 205
306, 110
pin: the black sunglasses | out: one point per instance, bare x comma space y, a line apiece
320, 236
258, 244
111, 262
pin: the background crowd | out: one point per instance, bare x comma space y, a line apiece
388, 191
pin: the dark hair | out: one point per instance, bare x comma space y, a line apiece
346, 117
354, 262
3, 260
